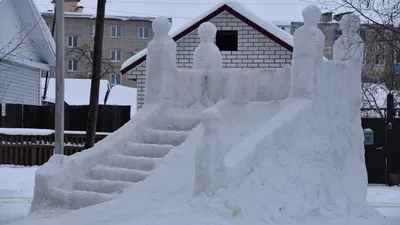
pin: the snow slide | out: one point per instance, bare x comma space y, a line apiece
291, 142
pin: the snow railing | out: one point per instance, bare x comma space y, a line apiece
190, 86
166, 82
308, 76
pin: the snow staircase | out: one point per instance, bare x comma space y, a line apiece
105, 180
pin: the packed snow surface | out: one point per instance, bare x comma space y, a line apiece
121, 95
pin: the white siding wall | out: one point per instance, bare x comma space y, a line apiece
19, 84
254, 51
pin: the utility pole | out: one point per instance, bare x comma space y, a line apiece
96, 72
60, 67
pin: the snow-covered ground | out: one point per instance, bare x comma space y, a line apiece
16, 192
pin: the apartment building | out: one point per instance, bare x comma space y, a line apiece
123, 37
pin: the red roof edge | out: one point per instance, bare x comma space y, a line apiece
208, 18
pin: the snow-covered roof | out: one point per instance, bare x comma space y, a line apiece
77, 91
39, 33
282, 23
122, 95
268, 29
93, 16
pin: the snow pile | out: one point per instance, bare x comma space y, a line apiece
15, 191
121, 95
288, 160
77, 91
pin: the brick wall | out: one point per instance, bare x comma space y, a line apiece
254, 51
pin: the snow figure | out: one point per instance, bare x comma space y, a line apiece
209, 160
207, 55
349, 47
307, 53
160, 62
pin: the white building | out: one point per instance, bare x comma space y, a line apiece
26, 50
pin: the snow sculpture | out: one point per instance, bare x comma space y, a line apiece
349, 49
307, 50
209, 159
349, 46
160, 62
207, 55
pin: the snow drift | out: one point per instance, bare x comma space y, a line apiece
293, 151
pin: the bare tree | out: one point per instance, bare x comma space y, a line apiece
84, 53
96, 72
381, 35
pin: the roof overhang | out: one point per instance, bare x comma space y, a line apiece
230, 8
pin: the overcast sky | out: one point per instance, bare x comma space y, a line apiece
184, 10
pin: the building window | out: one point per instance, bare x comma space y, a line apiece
338, 33
91, 55
379, 59
227, 40
397, 57
115, 79
143, 32
92, 30
362, 34
72, 42
115, 31
115, 55
72, 65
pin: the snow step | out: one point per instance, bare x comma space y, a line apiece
117, 174
165, 137
101, 186
78, 199
132, 162
148, 150
180, 122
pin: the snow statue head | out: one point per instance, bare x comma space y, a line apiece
211, 119
349, 24
349, 46
207, 32
161, 26
311, 15
207, 55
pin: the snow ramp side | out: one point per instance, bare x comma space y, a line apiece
172, 178
123, 158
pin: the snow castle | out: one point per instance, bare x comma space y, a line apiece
290, 140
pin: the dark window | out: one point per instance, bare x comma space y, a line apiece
338, 33
227, 40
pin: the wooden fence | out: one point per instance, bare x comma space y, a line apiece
110, 117
29, 150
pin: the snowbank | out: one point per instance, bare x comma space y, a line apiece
121, 95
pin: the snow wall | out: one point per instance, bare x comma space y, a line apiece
302, 164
